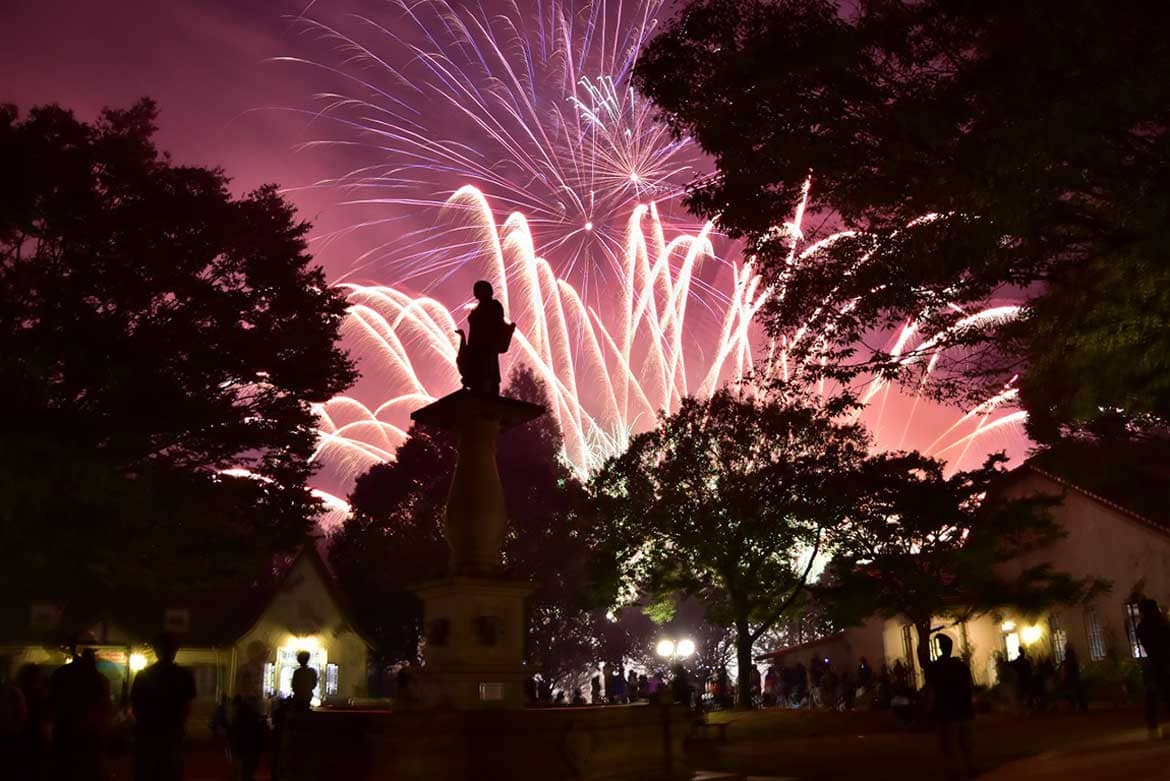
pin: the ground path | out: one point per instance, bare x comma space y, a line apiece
827, 746
780, 745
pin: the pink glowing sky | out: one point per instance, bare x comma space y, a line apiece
207, 64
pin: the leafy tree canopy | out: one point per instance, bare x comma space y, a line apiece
728, 500
154, 330
1033, 137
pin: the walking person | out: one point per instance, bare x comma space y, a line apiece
1070, 672
949, 682
1022, 667
161, 701
1154, 635
617, 686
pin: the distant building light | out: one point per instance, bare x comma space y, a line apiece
1008, 626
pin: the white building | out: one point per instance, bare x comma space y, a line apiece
1117, 520
1107, 538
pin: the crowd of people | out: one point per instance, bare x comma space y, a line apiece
64, 725
613, 685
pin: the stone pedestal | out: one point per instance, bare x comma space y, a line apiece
473, 620
473, 677
474, 630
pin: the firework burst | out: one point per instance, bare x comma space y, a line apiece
608, 377
530, 101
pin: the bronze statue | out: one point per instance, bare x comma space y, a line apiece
479, 351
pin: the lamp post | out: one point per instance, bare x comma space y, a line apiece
669, 649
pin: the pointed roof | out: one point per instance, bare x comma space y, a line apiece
1132, 479
245, 620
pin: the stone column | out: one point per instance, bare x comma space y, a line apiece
473, 619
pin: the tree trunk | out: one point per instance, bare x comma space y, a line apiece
743, 657
922, 626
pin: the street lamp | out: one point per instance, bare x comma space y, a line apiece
669, 649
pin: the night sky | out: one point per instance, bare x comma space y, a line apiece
224, 102
207, 64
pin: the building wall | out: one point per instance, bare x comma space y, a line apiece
1101, 542
303, 613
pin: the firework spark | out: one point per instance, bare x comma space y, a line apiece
528, 105
606, 378
528, 100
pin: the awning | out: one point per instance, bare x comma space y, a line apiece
793, 649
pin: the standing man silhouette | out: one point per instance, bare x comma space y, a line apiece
949, 680
81, 706
304, 681
161, 699
1153, 632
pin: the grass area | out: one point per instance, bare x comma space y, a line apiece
871, 745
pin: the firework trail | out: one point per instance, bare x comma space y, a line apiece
527, 106
625, 370
529, 100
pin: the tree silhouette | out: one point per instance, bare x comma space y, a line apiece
726, 500
925, 546
154, 330
395, 540
1033, 137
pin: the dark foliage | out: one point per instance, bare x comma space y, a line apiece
727, 500
1036, 134
153, 330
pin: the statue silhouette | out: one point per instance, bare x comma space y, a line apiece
479, 351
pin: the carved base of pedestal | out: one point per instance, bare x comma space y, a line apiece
474, 630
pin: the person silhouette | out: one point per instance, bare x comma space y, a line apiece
949, 682
161, 702
478, 359
304, 681
1153, 633
33, 741
247, 729
81, 706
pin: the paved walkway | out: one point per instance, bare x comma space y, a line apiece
1130, 755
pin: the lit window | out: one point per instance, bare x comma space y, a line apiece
935, 650
1011, 645
1132, 617
1094, 635
1059, 639
330, 680
269, 679
287, 664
